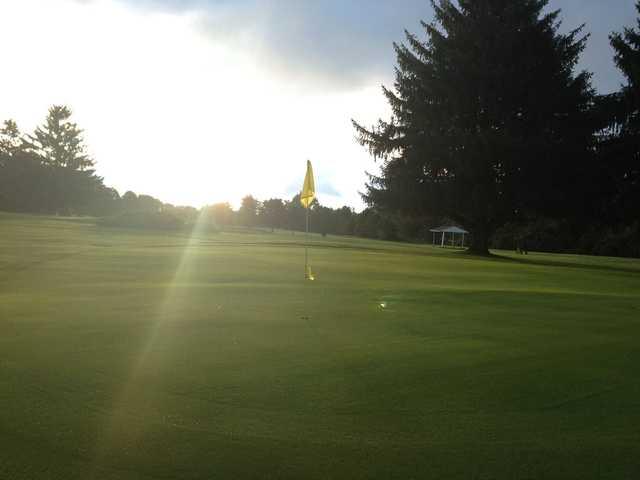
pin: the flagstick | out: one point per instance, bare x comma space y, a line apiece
306, 247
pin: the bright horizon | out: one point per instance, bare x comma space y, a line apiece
196, 106
162, 92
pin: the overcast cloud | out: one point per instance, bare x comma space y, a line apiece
344, 43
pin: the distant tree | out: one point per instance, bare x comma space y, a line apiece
276, 213
25, 185
343, 221
248, 212
147, 203
104, 201
220, 214
296, 215
323, 220
489, 120
188, 215
327, 220
372, 224
129, 201
59, 141
273, 213
11, 140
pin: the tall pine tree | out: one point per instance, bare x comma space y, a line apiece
59, 141
489, 121
627, 57
623, 147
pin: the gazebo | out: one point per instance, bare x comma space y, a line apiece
450, 231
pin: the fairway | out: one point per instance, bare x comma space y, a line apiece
146, 355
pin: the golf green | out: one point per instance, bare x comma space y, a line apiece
143, 355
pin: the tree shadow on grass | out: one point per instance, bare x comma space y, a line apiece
533, 260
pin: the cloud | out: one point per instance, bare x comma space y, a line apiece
341, 44
328, 43
327, 188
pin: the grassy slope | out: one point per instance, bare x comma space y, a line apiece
144, 355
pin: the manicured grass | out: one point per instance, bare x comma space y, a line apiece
127, 355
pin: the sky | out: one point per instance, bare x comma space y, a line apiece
202, 101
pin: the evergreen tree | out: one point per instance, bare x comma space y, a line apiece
59, 141
11, 140
627, 57
488, 118
623, 147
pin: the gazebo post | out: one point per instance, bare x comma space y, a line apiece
463, 240
442, 244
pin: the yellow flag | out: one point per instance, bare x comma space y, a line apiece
308, 188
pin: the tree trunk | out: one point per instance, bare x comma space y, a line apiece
480, 241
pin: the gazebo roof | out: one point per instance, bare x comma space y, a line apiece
448, 229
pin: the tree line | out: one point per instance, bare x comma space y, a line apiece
494, 128
50, 172
278, 214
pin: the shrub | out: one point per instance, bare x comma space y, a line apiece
542, 235
143, 220
624, 242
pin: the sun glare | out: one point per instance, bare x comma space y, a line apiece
159, 95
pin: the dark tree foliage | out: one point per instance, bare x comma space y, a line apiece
322, 219
489, 120
25, 186
343, 220
273, 214
296, 215
621, 138
327, 220
372, 224
290, 215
